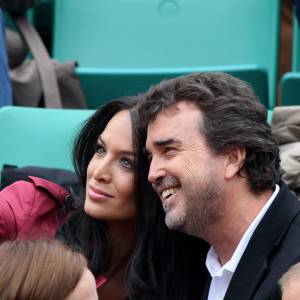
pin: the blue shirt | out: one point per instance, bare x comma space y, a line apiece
5, 85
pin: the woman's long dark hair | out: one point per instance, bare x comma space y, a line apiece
81, 231
164, 264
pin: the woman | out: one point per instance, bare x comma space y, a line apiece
120, 226
35, 270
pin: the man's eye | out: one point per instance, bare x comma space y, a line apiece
126, 163
99, 149
169, 150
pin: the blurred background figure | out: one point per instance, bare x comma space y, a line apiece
44, 269
290, 283
5, 86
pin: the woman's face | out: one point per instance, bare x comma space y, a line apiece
110, 173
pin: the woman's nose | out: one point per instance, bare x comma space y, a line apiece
103, 170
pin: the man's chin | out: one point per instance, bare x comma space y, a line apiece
175, 222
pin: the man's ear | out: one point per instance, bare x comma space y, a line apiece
235, 160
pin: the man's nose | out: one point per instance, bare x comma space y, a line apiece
156, 171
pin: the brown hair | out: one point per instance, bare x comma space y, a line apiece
232, 115
41, 269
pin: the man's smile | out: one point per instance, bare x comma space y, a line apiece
168, 192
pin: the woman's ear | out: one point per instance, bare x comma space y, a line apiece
235, 161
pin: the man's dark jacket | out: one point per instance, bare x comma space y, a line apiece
273, 248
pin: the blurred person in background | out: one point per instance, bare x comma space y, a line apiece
290, 283
44, 269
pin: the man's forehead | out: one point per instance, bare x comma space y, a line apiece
182, 113
177, 108
177, 125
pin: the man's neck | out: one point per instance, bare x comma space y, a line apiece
238, 216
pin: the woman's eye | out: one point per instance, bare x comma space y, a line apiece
126, 163
99, 149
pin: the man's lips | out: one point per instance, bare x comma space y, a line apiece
97, 193
169, 192
166, 184
165, 191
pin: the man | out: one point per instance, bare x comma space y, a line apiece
215, 165
290, 283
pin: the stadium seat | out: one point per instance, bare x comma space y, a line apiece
38, 136
296, 45
142, 37
100, 85
290, 82
290, 89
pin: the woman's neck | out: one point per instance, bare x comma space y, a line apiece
123, 237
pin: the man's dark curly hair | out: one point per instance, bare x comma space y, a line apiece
232, 116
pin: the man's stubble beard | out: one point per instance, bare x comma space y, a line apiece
200, 209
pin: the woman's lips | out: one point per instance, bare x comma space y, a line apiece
98, 194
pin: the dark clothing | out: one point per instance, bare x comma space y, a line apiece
273, 248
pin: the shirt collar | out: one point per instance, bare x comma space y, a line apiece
212, 260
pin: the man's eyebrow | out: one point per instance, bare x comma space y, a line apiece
165, 142
162, 143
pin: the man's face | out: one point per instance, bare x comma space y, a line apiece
184, 172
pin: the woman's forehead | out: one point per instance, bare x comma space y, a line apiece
118, 130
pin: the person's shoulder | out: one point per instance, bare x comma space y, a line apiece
13, 206
296, 222
27, 206
34, 184
58, 192
287, 198
17, 188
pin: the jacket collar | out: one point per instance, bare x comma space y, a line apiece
262, 245
58, 192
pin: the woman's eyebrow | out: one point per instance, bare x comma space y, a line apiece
126, 152
101, 140
121, 151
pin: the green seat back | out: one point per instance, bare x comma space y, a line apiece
101, 85
156, 34
38, 136
296, 45
290, 82
290, 89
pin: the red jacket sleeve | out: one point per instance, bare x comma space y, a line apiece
14, 207
30, 209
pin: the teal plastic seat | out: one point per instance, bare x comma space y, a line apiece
165, 34
296, 45
38, 136
290, 82
101, 85
290, 89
